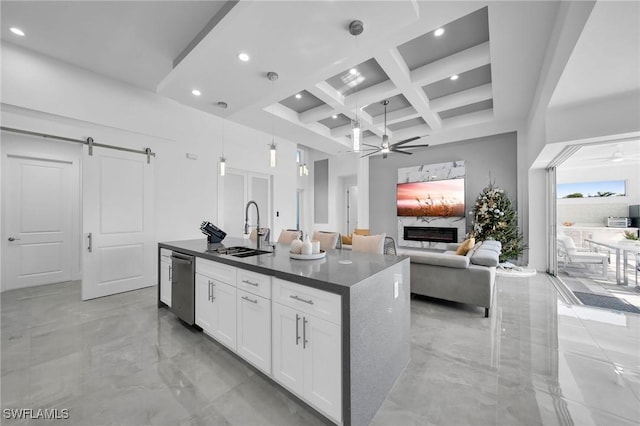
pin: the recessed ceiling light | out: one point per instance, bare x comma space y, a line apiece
195, 92
298, 96
17, 31
353, 71
454, 77
244, 57
439, 32
334, 116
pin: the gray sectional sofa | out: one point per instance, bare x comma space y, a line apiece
449, 276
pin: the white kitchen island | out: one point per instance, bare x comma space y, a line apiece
335, 332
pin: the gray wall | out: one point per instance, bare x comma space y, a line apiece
493, 156
321, 191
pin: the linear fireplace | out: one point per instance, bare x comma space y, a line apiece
431, 233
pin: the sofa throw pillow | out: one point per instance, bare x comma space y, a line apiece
347, 239
466, 246
485, 257
362, 231
368, 244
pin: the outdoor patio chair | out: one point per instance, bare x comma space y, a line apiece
570, 254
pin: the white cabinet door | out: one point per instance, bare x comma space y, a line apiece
205, 308
165, 282
254, 330
287, 348
225, 312
322, 365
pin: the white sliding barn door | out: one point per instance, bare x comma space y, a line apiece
38, 221
118, 222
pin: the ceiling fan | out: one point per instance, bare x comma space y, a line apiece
385, 147
617, 156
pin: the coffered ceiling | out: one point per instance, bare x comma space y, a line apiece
495, 49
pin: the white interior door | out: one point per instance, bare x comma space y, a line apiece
38, 221
118, 223
352, 208
238, 187
233, 201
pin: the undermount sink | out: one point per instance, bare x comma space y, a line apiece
240, 251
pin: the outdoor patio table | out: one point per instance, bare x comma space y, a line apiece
626, 247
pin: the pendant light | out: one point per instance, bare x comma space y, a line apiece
385, 137
223, 161
355, 29
273, 77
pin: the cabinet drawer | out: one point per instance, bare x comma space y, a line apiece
315, 302
254, 283
165, 255
216, 270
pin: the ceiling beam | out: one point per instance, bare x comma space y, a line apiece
397, 116
375, 93
392, 63
458, 63
466, 97
316, 114
469, 119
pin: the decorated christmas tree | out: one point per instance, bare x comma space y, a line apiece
494, 218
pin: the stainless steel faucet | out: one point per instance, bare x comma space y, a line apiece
246, 220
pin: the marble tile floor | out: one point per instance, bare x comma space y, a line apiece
121, 360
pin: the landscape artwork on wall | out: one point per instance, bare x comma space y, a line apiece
608, 188
440, 198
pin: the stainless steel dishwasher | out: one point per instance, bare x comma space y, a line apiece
183, 286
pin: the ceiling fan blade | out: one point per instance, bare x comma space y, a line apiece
401, 152
408, 140
371, 153
372, 146
415, 146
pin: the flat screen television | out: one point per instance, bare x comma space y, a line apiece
438, 198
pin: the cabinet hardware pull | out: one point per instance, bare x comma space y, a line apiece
293, 296
167, 256
209, 289
90, 248
250, 283
250, 300
304, 332
297, 333
170, 273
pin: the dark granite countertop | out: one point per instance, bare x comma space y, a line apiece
326, 274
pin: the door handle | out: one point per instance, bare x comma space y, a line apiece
250, 283
170, 273
297, 334
212, 285
296, 297
180, 260
13, 239
90, 248
304, 332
